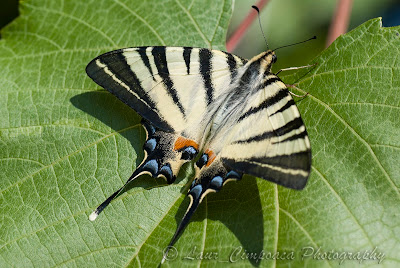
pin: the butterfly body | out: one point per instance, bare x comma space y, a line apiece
232, 115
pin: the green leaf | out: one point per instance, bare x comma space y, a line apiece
66, 144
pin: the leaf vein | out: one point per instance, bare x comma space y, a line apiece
277, 207
52, 125
22, 159
49, 53
195, 24
40, 37
217, 24
342, 202
66, 15
67, 156
203, 242
90, 253
385, 145
82, 212
302, 229
311, 77
364, 103
150, 233
372, 153
142, 20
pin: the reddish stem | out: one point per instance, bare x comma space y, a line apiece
235, 38
340, 20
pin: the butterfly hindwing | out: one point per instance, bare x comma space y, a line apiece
162, 159
211, 175
265, 137
276, 147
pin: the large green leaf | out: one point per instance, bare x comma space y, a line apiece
66, 144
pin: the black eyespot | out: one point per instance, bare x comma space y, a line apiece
274, 58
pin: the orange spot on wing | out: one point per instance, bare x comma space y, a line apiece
182, 142
211, 157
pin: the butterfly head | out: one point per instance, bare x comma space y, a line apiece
273, 57
266, 59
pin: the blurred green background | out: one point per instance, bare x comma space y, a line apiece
289, 21
284, 22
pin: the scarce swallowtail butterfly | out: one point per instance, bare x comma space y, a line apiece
230, 115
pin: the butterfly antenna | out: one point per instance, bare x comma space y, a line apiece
103, 205
312, 38
259, 21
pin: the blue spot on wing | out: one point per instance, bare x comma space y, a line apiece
150, 145
189, 153
216, 183
233, 175
151, 166
167, 172
191, 150
149, 127
196, 191
202, 161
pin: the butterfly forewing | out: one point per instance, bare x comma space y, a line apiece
169, 86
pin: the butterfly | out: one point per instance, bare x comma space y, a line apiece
229, 115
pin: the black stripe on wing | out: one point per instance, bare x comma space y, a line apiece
301, 135
186, 57
205, 57
297, 161
112, 72
145, 59
281, 94
284, 107
280, 176
288, 127
160, 59
117, 64
232, 64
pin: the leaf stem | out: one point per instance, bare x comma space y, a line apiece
340, 20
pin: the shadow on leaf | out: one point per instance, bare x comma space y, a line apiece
237, 205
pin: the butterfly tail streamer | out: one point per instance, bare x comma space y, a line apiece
210, 179
158, 161
194, 204
103, 205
